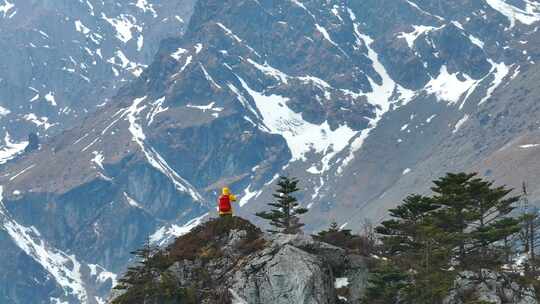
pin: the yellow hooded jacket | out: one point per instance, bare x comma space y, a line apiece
224, 202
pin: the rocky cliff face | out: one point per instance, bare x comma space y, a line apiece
364, 101
237, 263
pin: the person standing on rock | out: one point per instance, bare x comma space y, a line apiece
225, 202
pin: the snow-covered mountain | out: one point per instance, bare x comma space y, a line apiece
64, 59
364, 101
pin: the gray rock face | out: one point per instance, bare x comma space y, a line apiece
289, 275
285, 274
298, 269
491, 287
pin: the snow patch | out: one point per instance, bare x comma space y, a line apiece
146, 7
325, 34
477, 41
448, 87
178, 53
11, 149
4, 111
38, 121
125, 63
422, 11
198, 48
301, 5
209, 107
188, 62
6, 7
270, 71
169, 232
301, 136
412, 36
460, 123
51, 99
341, 282
80, 27
243, 101
123, 26
102, 275
229, 32
140, 42
209, 77
248, 195
157, 108
98, 159
528, 16
500, 72
132, 202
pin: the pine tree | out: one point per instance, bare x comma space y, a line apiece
428, 239
150, 281
334, 227
402, 235
284, 216
418, 249
476, 216
142, 272
386, 281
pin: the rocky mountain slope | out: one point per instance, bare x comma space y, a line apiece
364, 101
64, 59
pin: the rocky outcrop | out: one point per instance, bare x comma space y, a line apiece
287, 271
243, 265
490, 287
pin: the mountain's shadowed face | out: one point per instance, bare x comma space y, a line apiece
145, 109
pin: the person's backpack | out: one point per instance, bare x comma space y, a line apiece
224, 203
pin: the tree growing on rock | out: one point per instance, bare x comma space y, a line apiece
476, 214
464, 225
286, 210
418, 249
